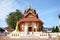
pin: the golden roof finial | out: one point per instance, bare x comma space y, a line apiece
29, 5
16, 29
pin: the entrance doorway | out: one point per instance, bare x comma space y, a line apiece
29, 30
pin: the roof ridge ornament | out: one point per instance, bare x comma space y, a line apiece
29, 5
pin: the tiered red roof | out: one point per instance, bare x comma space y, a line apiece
30, 19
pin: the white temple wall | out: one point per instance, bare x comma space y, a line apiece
34, 24
26, 27
54, 34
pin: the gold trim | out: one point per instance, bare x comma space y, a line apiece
16, 29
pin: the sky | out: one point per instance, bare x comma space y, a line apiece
47, 10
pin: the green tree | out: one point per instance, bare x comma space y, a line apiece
42, 27
55, 29
12, 19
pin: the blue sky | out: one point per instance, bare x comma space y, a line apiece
47, 10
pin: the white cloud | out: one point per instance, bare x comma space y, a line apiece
6, 6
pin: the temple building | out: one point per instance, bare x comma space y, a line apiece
30, 22
29, 26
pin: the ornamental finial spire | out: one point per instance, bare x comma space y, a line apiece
29, 5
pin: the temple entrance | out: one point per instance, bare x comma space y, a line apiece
29, 30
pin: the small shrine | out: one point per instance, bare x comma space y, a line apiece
29, 26
30, 22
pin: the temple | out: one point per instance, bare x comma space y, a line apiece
30, 22
29, 26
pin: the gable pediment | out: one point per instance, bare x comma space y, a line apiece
30, 15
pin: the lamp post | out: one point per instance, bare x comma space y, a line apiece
59, 21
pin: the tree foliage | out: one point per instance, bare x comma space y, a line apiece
42, 27
12, 19
55, 29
